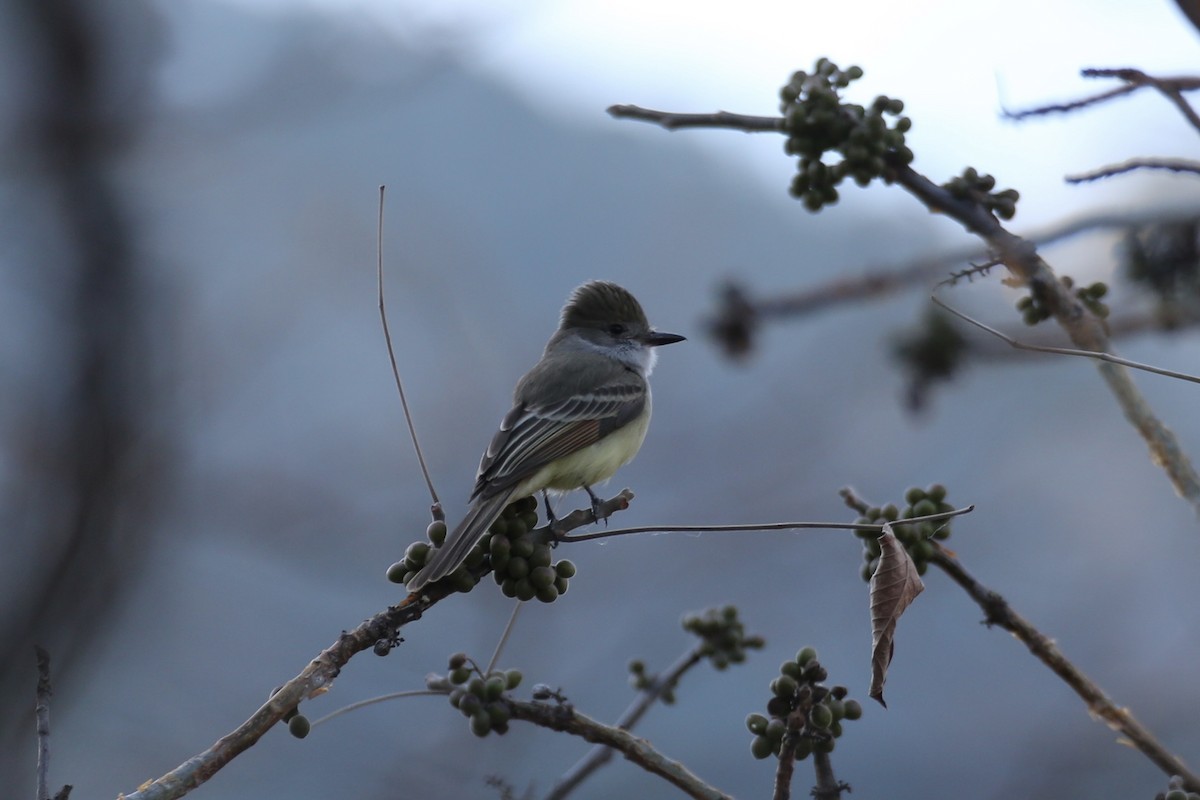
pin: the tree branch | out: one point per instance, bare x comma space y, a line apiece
1021, 259
601, 755
998, 612
1169, 164
313, 680
565, 719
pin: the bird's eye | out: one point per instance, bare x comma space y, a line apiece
616, 329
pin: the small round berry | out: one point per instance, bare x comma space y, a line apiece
299, 726
436, 531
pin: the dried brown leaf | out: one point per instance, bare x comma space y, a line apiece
894, 586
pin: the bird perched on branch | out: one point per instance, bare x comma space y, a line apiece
577, 416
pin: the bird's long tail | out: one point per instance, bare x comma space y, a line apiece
460, 541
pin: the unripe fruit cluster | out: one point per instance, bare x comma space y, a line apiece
1034, 307
978, 189
1176, 791
723, 634
799, 686
480, 697
519, 560
817, 122
916, 538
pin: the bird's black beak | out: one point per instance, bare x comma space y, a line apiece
656, 338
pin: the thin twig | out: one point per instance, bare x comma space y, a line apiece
1170, 88
828, 787
1169, 164
42, 715
739, 310
1062, 351
567, 720
436, 508
512, 621
370, 701
998, 612
1073, 105
600, 755
757, 526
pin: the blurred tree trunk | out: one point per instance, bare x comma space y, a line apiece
82, 462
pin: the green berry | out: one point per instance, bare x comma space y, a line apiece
541, 577
481, 723
820, 716
494, 687
854, 709
512, 678
761, 747
936, 492
436, 532
498, 713
460, 675
784, 686
756, 723
398, 572
525, 590
546, 594
299, 726
914, 495
517, 568
806, 655
523, 547
565, 569
775, 730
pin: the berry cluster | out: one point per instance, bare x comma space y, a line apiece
480, 697
931, 353
1165, 256
519, 559
1034, 307
724, 636
978, 189
817, 122
916, 537
802, 704
1176, 790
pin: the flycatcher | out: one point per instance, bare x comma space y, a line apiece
577, 416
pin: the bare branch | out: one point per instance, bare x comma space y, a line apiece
998, 612
1170, 88
508, 629
757, 526
436, 508
565, 719
1169, 164
1063, 351
600, 755
1074, 105
721, 119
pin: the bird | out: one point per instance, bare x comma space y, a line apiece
579, 415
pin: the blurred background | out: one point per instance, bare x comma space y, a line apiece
205, 471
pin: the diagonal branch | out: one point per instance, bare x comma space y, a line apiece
1169, 164
314, 679
997, 611
1022, 260
600, 755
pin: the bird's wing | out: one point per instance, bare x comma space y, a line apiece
532, 436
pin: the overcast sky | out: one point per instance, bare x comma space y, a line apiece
954, 64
